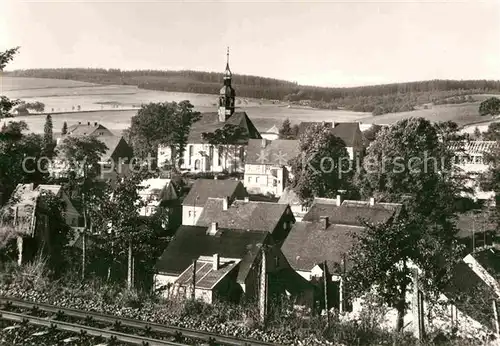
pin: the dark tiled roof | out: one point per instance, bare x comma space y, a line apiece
209, 122
303, 126
258, 216
191, 242
111, 143
277, 152
349, 133
307, 244
86, 129
202, 189
206, 277
470, 294
352, 212
489, 259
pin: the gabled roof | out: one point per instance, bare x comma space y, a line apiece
351, 212
258, 216
473, 147
206, 277
160, 188
85, 129
191, 242
308, 244
489, 259
202, 189
55, 189
348, 132
276, 153
111, 143
209, 122
273, 129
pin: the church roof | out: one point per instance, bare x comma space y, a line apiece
209, 122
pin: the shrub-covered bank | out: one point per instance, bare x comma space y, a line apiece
284, 327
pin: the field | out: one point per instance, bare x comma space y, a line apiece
114, 105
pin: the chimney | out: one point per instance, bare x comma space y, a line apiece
95, 124
324, 222
333, 124
88, 122
79, 123
213, 228
225, 202
216, 262
263, 143
372, 201
339, 200
247, 199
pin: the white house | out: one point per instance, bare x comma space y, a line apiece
202, 190
267, 168
154, 192
202, 156
469, 157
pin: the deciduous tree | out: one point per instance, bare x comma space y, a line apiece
409, 164
324, 168
287, 131
490, 106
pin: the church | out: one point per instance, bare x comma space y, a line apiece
234, 130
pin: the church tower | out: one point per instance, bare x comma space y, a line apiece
226, 95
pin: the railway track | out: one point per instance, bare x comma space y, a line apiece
136, 326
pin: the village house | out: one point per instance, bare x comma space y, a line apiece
350, 133
21, 218
326, 234
298, 208
156, 192
271, 134
114, 161
469, 157
202, 189
72, 215
201, 156
227, 264
277, 219
267, 168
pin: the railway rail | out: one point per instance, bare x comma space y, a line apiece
138, 325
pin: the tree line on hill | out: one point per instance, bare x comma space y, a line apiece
377, 99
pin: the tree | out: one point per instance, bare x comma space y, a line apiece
224, 137
371, 133
6, 105
287, 131
19, 155
166, 123
82, 169
323, 168
25, 107
409, 164
48, 137
64, 129
477, 135
123, 233
493, 132
490, 106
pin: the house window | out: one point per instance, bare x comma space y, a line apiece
190, 154
478, 159
249, 179
190, 213
275, 182
303, 208
219, 157
257, 180
197, 165
276, 261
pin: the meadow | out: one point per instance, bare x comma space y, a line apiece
114, 105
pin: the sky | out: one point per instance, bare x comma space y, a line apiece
316, 43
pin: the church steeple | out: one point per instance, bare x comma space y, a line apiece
227, 94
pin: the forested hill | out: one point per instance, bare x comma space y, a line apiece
378, 99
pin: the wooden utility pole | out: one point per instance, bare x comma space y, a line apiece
193, 292
263, 286
495, 316
325, 284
